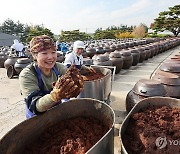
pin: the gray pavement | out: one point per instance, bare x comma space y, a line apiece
12, 108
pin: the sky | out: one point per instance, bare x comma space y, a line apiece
85, 15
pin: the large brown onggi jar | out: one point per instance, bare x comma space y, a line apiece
102, 59
170, 67
148, 52
171, 82
20, 64
10, 61
173, 60
99, 50
117, 60
107, 49
144, 88
142, 54
2, 59
152, 49
113, 47
87, 61
127, 59
90, 51
136, 56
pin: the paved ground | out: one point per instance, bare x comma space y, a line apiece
12, 106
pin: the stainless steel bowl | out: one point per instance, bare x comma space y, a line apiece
98, 89
148, 102
24, 133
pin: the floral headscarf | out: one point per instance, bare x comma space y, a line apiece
42, 42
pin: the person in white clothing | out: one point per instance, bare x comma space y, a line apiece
19, 48
75, 57
58, 43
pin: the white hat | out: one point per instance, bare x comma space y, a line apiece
16, 41
78, 44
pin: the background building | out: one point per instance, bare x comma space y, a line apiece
7, 39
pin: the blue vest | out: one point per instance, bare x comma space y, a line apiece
29, 114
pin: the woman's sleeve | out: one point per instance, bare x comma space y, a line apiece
28, 82
36, 102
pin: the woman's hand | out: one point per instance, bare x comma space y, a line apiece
62, 90
68, 85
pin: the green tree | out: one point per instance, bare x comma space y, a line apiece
8, 27
74, 35
112, 31
104, 34
168, 20
39, 30
145, 27
15, 28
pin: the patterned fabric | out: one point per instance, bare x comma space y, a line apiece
42, 42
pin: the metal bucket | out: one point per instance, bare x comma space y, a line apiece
148, 102
26, 132
98, 89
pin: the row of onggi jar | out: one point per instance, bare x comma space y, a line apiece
165, 81
122, 53
125, 57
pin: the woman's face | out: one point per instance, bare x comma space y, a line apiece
46, 59
79, 51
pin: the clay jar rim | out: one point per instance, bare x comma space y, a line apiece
118, 46
115, 55
91, 50
23, 60
102, 58
149, 87
134, 51
112, 46
178, 56
125, 53
170, 67
100, 50
167, 78
173, 60
106, 48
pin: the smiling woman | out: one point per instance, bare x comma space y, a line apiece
45, 60
37, 78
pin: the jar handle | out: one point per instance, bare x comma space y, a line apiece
143, 91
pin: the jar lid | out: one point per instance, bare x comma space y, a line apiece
102, 58
125, 53
170, 67
115, 55
91, 50
149, 87
173, 60
167, 78
23, 60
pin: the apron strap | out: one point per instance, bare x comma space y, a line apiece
40, 83
56, 71
39, 78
